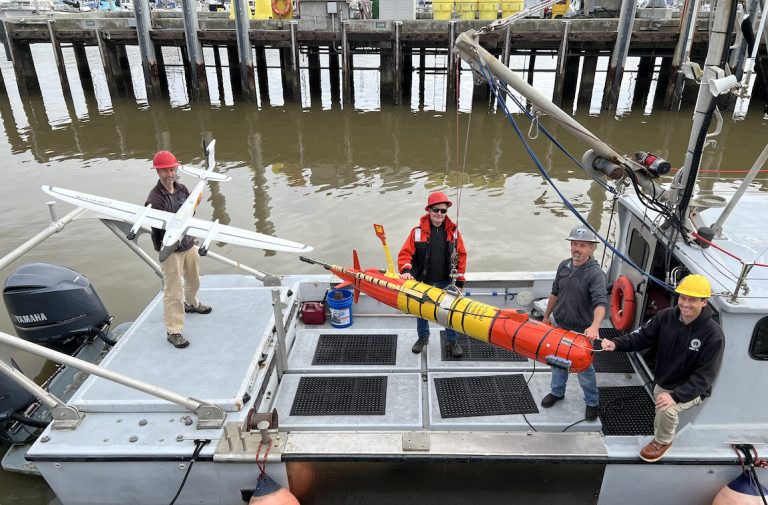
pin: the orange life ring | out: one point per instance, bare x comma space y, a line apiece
622, 303
281, 12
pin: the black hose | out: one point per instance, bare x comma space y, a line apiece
199, 444
34, 423
104, 334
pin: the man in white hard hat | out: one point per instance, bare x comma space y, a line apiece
689, 349
577, 302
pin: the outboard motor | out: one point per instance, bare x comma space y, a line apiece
52, 305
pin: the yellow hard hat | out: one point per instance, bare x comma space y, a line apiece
694, 285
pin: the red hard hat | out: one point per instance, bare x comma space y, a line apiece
437, 197
164, 159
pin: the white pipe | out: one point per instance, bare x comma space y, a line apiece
52, 228
68, 360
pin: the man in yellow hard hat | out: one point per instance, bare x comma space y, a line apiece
689, 352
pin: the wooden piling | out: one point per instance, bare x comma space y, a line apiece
387, 75
531, 66
397, 75
244, 61
219, 72
643, 82
162, 76
333, 71
288, 75
261, 74
407, 74
346, 69
562, 57
451, 88
24, 67
235, 79
295, 61
422, 68
588, 70
154, 73
313, 61
197, 80
109, 63
58, 58
666, 75
619, 56
674, 79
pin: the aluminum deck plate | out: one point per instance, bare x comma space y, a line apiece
476, 350
340, 396
355, 349
481, 396
239, 322
626, 410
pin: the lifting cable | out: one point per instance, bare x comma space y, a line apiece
492, 84
454, 260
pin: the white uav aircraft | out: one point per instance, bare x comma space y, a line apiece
178, 225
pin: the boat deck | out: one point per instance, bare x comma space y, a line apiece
363, 378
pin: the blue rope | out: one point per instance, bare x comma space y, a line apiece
493, 87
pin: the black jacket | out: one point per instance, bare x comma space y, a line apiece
688, 357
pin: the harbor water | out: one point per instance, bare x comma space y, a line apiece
319, 174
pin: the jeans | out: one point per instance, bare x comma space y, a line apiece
422, 325
587, 380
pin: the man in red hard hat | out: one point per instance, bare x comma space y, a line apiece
181, 270
427, 256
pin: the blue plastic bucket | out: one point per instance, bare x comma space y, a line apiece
340, 305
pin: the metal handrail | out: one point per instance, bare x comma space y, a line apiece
55, 227
209, 415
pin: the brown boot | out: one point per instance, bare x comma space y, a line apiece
178, 340
654, 451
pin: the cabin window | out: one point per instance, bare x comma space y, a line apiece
638, 249
758, 348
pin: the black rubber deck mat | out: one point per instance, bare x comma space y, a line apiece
491, 395
347, 349
611, 362
626, 410
340, 396
609, 333
475, 350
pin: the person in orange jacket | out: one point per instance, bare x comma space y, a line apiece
426, 256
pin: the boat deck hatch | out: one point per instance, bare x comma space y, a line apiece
340, 396
355, 349
475, 350
482, 396
626, 410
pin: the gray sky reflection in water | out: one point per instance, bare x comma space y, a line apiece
315, 174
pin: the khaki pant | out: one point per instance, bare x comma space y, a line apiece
179, 265
665, 422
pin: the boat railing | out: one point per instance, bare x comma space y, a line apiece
121, 229
68, 417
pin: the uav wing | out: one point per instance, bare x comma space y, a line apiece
117, 209
237, 236
154, 218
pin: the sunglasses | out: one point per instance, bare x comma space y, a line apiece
437, 210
